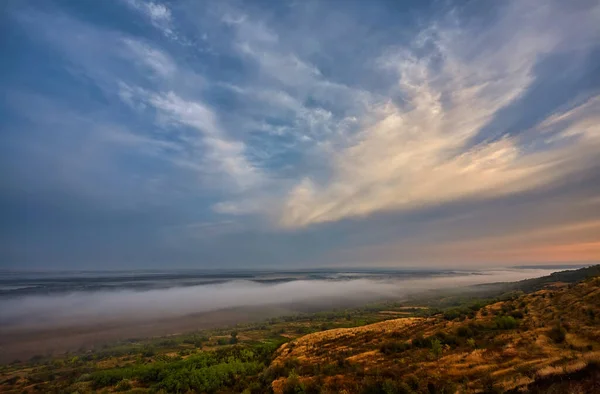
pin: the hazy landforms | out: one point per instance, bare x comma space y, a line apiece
50, 313
535, 335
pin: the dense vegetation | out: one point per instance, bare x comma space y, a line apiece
236, 368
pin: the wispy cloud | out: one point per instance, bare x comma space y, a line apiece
157, 13
227, 156
153, 58
420, 153
256, 121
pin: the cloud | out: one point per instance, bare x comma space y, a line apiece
224, 155
309, 133
151, 57
420, 153
157, 13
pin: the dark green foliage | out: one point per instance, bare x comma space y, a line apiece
558, 333
420, 342
392, 347
203, 372
387, 386
517, 314
195, 340
123, 385
171, 342
412, 381
505, 323
148, 351
436, 348
446, 339
233, 340
441, 387
294, 386
467, 310
464, 332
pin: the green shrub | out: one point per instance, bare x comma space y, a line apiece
464, 331
447, 339
293, 385
505, 323
558, 333
412, 381
123, 385
388, 386
148, 351
517, 314
421, 342
436, 348
392, 347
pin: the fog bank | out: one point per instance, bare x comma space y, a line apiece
78, 308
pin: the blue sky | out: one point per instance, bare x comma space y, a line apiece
225, 134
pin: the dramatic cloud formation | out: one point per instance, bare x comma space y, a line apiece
144, 133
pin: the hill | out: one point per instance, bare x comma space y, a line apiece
544, 341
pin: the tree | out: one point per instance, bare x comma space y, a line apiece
233, 340
436, 348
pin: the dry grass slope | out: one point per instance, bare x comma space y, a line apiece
519, 345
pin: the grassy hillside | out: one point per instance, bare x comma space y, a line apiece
462, 341
547, 340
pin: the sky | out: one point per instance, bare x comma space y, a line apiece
298, 134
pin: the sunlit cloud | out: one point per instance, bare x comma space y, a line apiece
373, 138
422, 153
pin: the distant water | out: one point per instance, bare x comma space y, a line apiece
16, 283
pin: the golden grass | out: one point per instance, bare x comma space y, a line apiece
513, 360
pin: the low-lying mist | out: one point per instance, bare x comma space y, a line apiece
84, 308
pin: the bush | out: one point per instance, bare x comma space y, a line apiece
412, 381
148, 351
392, 347
464, 332
388, 386
123, 385
392, 387
436, 348
452, 314
293, 385
558, 333
421, 342
446, 339
108, 378
505, 323
517, 314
